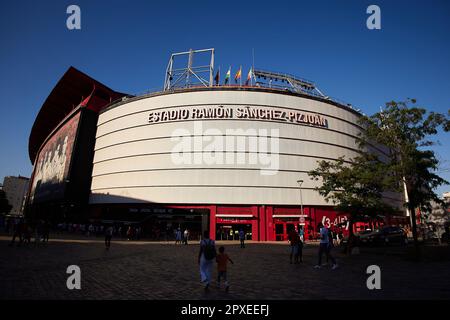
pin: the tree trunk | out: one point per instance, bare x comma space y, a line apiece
414, 232
351, 236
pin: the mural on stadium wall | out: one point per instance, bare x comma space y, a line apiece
53, 163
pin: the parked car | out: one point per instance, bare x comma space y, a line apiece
360, 233
384, 235
357, 236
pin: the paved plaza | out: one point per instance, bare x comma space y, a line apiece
144, 270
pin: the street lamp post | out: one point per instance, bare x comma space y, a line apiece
300, 182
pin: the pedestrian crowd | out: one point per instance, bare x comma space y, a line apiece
23, 231
129, 232
181, 237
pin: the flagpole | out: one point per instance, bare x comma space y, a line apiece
253, 58
253, 66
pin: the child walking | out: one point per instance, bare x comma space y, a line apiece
222, 260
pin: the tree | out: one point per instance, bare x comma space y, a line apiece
355, 187
403, 131
5, 207
438, 218
406, 130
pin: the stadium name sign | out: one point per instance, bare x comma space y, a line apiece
238, 112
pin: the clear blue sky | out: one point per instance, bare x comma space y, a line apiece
126, 45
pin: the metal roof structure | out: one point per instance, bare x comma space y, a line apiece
74, 88
195, 72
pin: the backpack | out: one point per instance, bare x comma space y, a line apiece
209, 250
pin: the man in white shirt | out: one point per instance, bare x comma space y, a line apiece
325, 246
186, 236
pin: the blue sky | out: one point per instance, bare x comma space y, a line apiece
126, 45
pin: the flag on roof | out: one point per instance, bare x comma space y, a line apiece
217, 77
227, 76
249, 76
238, 74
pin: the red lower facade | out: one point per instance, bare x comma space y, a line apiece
273, 223
259, 222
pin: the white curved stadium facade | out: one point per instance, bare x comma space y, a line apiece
136, 157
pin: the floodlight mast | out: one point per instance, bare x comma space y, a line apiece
191, 74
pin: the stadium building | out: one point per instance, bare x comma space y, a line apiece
201, 154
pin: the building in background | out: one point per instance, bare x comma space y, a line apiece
446, 196
437, 220
16, 189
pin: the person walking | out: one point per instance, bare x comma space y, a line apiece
294, 241
330, 242
300, 250
37, 232
206, 257
18, 230
339, 237
90, 230
130, 233
324, 247
108, 236
186, 236
45, 231
28, 231
222, 260
300, 244
138, 232
301, 233
178, 236
242, 238
167, 234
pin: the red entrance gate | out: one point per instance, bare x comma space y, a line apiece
282, 227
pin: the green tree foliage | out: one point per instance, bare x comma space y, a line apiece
403, 131
355, 187
406, 131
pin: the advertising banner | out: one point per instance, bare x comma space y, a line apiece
53, 163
